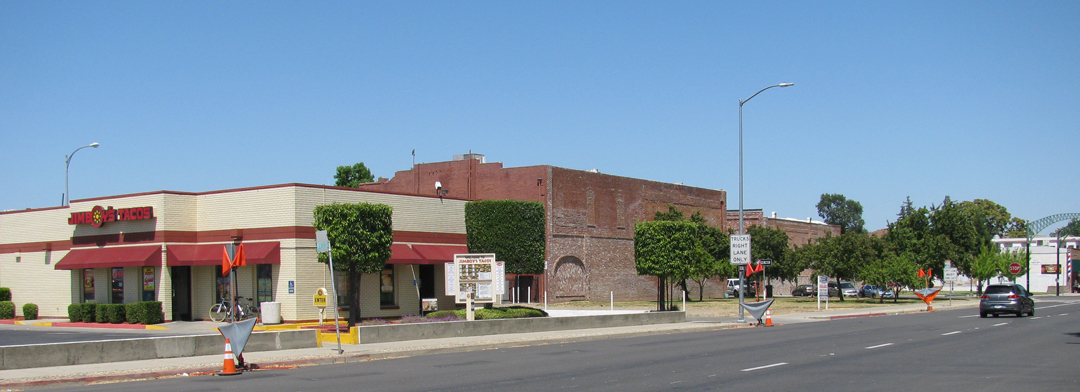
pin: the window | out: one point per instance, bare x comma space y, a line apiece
117, 286
88, 285
221, 289
149, 280
386, 287
264, 275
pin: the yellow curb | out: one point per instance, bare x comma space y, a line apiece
156, 327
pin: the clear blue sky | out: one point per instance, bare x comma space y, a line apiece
970, 99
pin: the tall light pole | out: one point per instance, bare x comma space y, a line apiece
742, 277
67, 164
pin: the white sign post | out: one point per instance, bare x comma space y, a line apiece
951, 274
822, 291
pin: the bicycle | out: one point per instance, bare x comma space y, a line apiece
222, 311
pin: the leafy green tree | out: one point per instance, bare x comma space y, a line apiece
716, 258
773, 244
1017, 228
353, 176
842, 256
672, 215
1072, 228
885, 269
1007, 258
667, 250
838, 210
964, 230
360, 237
994, 218
986, 265
902, 272
511, 229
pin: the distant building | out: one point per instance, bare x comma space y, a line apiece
1045, 258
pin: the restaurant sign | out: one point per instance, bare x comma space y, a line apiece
98, 216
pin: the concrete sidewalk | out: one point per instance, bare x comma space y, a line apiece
206, 364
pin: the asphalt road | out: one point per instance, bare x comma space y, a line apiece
948, 350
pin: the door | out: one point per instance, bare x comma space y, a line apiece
427, 281
181, 293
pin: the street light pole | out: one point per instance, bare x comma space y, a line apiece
742, 280
67, 164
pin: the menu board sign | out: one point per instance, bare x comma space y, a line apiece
474, 274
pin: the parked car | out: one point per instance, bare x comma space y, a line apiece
803, 290
733, 288
1008, 298
847, 288
871, 291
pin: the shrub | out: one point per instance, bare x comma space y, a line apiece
75, 313
490, 314
5, 294
7, 310
115, 313
29, 311
148, 312
100, 313
444, 314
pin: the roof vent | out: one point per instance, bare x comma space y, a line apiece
462, 157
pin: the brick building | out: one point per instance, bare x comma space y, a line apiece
590, 219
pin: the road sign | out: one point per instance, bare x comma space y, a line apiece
322, 242
950, 275
740, 249
1014, 268
765, 262
823, 286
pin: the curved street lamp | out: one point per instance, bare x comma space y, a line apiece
67, 164
742, 277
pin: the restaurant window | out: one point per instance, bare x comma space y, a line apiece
117, 286
264, 274
386, 287
88, 284
221, 288
149, 283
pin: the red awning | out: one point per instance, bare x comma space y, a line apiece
123, 256
254, 252
403, 254
438, 254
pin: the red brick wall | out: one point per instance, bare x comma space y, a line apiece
590, 218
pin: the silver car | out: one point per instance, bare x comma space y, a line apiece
1007, 298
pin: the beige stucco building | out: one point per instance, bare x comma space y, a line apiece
167, 246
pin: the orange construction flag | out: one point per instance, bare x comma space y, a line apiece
921, 273
226, 265
240, 260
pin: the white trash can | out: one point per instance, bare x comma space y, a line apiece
271, 312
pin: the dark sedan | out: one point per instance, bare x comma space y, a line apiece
1007, 298
803, 290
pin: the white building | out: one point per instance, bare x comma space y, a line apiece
1045, 258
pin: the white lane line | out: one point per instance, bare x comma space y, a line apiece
1063, 314
973, 315
764, 367
950, 333
1035, 318
1000, 324
879, 346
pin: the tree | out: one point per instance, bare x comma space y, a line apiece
993, 217
511, 229
838, 210
772, 244
672, 215
1017, 228
986, 265
667, 249
965, 230
716, 244
360, 238
903, 273
353, 176
842, 256
1072, 228
1007, 258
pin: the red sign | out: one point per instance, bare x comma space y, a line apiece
1014, 268
98, 216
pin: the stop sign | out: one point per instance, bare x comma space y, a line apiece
1014, 268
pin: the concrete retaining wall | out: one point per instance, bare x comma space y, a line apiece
451, 329
78, 353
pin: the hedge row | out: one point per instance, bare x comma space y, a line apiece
148, 312
5, 294
7, 310
492, 314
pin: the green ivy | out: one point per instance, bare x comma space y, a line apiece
513, 230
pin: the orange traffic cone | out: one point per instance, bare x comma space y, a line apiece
768, 318
230, 367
